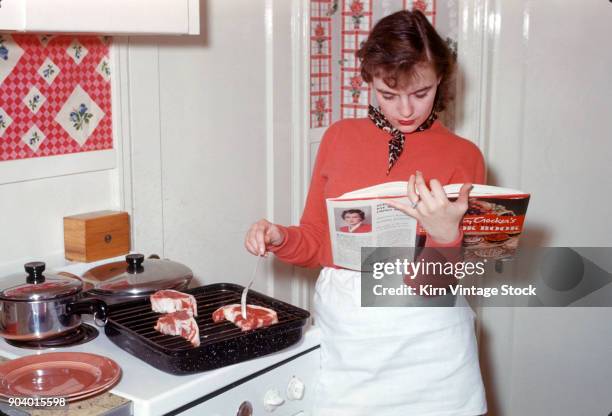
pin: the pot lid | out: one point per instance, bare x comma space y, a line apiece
137, 276
35, 285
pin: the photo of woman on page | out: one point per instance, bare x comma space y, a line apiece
355, 220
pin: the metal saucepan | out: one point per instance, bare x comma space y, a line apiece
39, 306
135, 278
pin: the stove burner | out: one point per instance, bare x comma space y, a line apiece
79, 335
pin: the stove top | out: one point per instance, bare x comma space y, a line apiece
80, 335
169, 392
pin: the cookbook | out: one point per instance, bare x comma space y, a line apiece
361, 218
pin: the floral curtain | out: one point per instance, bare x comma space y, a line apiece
55, 95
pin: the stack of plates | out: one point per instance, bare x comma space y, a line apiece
72, 375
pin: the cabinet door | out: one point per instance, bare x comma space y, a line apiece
108, 16
12, 15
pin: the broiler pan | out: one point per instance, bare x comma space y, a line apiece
131, 326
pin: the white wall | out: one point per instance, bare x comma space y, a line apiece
208, 141
542, 71
31, 214
212, 130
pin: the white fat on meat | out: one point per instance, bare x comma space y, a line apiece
257, 316
168, 301
181, 324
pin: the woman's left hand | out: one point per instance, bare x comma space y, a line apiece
436, 214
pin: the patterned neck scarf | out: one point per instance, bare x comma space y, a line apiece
396, 142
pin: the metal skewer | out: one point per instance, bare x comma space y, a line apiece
243, 298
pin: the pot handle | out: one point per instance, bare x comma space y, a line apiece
94, 307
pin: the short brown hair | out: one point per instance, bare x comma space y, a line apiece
397, 44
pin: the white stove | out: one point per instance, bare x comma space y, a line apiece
281, 383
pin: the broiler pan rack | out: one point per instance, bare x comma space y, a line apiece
131, 326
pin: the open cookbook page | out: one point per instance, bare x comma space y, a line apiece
368, 222
361, 218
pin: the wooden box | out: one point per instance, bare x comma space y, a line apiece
96, 235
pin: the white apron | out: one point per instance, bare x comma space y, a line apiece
396, 361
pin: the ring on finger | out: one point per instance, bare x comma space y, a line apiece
414, 204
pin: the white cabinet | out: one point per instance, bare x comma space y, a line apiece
12, 15
109, 16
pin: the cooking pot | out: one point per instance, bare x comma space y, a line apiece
135, 278
38, 306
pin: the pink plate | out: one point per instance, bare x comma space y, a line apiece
89, 395
76, 398
57, 374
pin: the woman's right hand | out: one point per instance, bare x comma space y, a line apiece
262, 234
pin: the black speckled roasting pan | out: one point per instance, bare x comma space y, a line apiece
131, 327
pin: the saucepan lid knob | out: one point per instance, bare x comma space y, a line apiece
134, 262
36, 286
35, 270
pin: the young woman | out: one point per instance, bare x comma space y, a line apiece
390, 361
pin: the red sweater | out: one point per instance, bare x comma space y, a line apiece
363, 228
354, 154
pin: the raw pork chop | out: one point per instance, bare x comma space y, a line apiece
257, 316
167, 301
179, 323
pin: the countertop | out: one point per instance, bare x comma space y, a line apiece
168, 392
